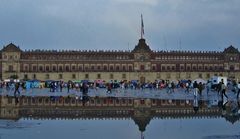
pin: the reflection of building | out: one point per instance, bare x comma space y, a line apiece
141, 63
140, 110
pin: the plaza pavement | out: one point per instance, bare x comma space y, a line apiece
178, 93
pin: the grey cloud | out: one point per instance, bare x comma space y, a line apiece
115, 24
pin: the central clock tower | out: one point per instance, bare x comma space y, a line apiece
142, 59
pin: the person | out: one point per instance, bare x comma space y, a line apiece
169, 87
109, 88
200, 88
223, 90
195, 87
17, 86
208, 86
172, 87
187, 87
85, 88
69, 85
238, 86
61, 85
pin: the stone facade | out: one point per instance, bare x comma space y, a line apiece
141, 63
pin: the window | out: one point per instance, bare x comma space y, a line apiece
105, 67
60, 68
221, 68
92, 67
60, 76
86, 68
67, 68
40, 68
173, 68
10, 68
25, 76
73, 76
99, 67
86, 76
34, 76
124, 68
200, 75
208, 75
124, 76
168, 68
206, 68
111, 68
47, 76
25, 68
194, 67
54, 68
200, 68
117, 68
111, 76
142, 67
231, 67
178, 76
34, 68
153, 67
73, 68
98, 76
210, 68
130, 68
182, 67
168, 75
163, 68
80, 68
47, 68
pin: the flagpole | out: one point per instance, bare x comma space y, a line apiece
141, 27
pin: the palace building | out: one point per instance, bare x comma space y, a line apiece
141, 64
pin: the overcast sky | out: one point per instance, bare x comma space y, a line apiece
115, 24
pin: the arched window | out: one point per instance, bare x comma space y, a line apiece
60, 68
54, 68
47, 68
105, 68
67, 68
232, 67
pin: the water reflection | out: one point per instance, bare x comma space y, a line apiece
141, 111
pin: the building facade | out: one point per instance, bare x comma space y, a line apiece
141, 64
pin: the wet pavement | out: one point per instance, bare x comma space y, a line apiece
171, 121
178, 93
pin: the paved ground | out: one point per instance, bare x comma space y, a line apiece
128, 93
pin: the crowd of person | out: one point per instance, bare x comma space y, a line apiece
170, 86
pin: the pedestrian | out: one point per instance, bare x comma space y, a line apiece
61, 85
69, 85
223, 90
195, 88
172, 87
208, 86
187, 87
238, 90
17, 86
200, 88
109, 88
